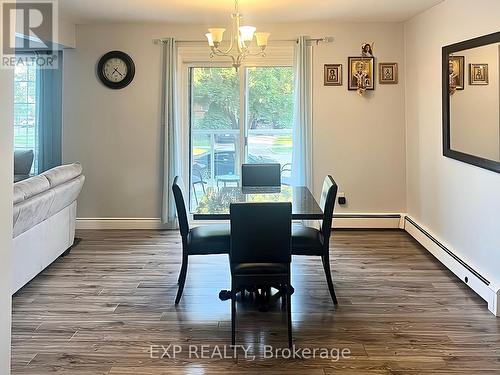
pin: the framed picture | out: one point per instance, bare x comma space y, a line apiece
478, 74
361, 74
333, 74
456, 66
388, 73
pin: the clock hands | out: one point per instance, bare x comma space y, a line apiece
116, 70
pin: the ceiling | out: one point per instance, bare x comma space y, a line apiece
210, 11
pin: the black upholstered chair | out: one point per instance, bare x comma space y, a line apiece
260, 252
315, 242
268, 175
203, 240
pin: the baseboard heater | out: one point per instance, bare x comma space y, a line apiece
366, 220
366, 216
472, 278
448, 251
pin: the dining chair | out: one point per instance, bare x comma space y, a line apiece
260, 175
260, 253
202, 240
315, 242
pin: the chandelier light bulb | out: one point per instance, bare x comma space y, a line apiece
262, 39
217, 34
247, 33
210, 39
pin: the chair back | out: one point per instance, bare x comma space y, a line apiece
180, 206
261, 232
260, 175
327, 202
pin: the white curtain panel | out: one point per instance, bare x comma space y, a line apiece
170, 131
302, 125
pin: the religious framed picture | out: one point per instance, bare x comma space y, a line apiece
361, 74
387, 73
478, 74
456, 67
333, 74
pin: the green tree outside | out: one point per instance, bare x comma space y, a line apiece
217, 98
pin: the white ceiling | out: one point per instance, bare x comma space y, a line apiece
271, 11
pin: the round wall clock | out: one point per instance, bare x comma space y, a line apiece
116, 70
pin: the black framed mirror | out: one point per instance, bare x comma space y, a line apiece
471, 101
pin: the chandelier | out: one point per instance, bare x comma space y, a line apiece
241, 39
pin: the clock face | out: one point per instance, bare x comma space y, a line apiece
116, 70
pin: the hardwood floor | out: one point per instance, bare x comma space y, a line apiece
100, 309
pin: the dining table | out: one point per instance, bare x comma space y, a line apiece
214, 205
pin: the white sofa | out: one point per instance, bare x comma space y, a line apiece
44, 220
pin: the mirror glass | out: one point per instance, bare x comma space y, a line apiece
474, 91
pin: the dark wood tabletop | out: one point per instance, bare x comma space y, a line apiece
215, 203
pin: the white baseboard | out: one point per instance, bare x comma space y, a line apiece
366, 221
340, 221
465, 272
119, 223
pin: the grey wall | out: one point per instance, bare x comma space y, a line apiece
458, 202
116, 134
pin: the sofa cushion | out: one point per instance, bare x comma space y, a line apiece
66, 194
21, 177
62, 174
23, 160
18, 195
31, 212
27, 189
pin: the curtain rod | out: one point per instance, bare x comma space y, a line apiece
326, 39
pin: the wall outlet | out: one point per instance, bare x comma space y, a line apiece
342, 199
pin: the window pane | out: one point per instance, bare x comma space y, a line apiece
30, 120
21, 73
25, 109
215, 129
215, 101
32, 73
21, 92
31, 92
270, 115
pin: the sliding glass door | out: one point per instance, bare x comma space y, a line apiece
269, 118
235, 117
215, 129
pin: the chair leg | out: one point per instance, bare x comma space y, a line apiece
283, 292
182, 278
182, 273
326, 265
289, 315
233, 318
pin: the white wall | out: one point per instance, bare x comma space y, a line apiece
6, 177
458, 202
116, 134
67, 34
